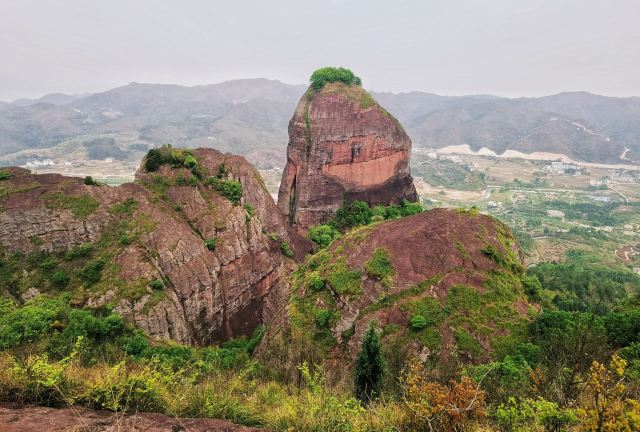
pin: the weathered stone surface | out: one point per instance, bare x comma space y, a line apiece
210, 295
342, 146
77, 419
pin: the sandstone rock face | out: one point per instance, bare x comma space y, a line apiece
209, 295
43, 419
460, 270
342, 146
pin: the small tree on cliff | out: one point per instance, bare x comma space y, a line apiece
369, 367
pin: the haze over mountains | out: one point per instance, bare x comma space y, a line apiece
250, 117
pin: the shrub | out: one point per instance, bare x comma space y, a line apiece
380, 266
92, 271
322, 318
82, 251
418, 322
286, 250
125, 390
154, 159
157, 284
135, 345
60, 279
352, 214
323, 235
249, 208
5, 175
315, 281
332, 74
230, 189
89, 181
26, 324
211, 243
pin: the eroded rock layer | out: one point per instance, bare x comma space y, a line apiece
175, 256
342, 146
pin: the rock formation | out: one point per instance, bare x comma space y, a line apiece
342, 146
459, 270
176, 257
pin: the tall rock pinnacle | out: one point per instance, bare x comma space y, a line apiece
343, 146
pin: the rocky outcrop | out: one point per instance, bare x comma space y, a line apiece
218, 265
41, 419
342, 146
459, 270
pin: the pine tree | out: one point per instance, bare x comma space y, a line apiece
369, 367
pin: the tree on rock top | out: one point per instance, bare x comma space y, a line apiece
333, 74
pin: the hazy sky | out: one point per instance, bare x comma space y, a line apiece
502, 47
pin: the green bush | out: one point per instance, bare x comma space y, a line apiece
60, 279
82, 251
154, 159
286, 250
322, 318
4, 175
157, 284
26, 324
323, 235
211, 243
91, 273
352, 214
127, 391
315, 281
332, 74
135, 345
380, 265
418, 322
249, 208
230, 189
89, 181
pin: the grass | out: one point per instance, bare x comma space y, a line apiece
380, 266
81, 206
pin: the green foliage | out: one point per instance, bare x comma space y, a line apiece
127, 207
5, 175
315, 281
344, 280
529, 414
418, 322
332, 74
89, 181
380, 266
82, 251
211, 243
323, 317
323, 235
80, 205
581, 285
230, 189
156, 284
60, 279
91, 273
249, 208
370, 367
352, 214
153, 160
127, 391
26, 324
286, 250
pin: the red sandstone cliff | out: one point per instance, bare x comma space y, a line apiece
209, 295
342, 146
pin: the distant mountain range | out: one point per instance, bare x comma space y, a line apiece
250, 117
